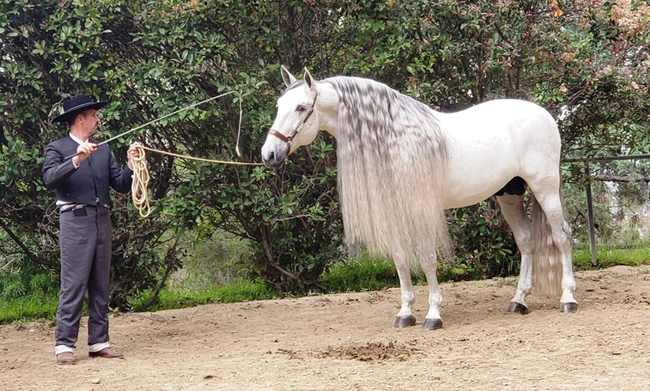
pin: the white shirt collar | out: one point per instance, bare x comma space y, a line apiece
77, 139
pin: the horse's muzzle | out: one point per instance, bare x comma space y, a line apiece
272, 163
274, 157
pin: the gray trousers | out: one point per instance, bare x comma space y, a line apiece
85, 243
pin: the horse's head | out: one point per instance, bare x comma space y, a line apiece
296, 122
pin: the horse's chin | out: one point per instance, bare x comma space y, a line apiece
273, 165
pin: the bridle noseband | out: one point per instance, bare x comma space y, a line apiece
289, 139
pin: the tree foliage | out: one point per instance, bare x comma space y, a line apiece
585, 61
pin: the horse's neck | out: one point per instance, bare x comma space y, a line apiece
328, 108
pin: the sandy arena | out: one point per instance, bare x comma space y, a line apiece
348, 342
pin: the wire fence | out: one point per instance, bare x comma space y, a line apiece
615, 214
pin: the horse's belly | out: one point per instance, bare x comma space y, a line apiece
478, 169
472, 190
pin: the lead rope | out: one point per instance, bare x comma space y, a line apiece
139, 188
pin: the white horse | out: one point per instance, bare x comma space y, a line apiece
401, 164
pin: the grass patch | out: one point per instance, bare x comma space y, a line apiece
365, 273
611, 256
448, 273
27, 308
173, 298
368, 273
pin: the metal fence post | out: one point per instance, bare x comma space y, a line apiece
590, 218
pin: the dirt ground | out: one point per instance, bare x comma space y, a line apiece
348, 342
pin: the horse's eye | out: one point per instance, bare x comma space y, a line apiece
301, 108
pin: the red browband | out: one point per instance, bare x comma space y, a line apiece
280, 136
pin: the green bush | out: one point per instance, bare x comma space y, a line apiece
587, 66
483, 242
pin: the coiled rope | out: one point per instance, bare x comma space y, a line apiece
139, 188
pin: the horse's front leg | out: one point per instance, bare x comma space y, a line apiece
405, 316
433, 320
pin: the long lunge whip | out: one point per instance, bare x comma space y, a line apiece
174, 113
141, 177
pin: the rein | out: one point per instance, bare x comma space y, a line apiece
289, 139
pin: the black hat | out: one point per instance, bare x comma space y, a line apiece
77, 105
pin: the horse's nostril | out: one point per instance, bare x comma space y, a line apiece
271, 156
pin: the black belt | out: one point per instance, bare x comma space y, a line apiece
78, 208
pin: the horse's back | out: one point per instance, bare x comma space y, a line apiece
493, 142
498, 117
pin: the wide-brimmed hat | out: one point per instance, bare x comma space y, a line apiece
77, 105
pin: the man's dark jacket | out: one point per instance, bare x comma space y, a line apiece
89, 183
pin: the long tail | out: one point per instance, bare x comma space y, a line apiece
547, 258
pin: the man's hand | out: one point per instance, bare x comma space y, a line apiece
133, 152
84, 150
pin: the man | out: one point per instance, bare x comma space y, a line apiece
81, 184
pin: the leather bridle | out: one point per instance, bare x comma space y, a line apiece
289, 139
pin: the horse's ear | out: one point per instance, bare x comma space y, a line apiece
287, 76
309, 80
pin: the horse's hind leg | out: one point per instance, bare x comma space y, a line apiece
433, 320
512, 208
551, 208
405, 316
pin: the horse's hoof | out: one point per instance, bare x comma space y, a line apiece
432, 324
404, 321
517, 308
569, 308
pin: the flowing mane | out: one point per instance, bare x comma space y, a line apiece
392, 157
